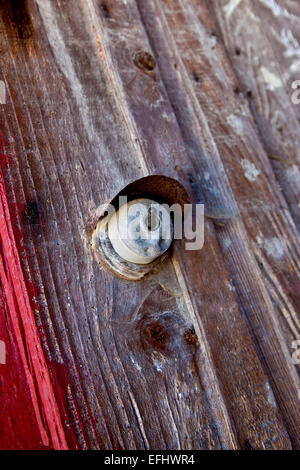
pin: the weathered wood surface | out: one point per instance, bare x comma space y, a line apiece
199, 354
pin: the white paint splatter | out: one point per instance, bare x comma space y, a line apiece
273, 81
213, 41
293, 175
231, 286
227, 242
168, 116
206, 176
275, 246
270, 395
2, 92
230, 7
136, 365
259, 241
236, 123
292, 50
291, 44
277, 10
250, 170
252, 15
157, 364
158, 360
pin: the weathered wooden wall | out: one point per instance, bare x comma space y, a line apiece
199, 354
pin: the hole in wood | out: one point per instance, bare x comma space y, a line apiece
133, 259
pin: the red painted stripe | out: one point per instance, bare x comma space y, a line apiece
29, 346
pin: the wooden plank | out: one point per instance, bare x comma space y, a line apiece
215, 122
252, 181
168, 362
63, 168
266, 68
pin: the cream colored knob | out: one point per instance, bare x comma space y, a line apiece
141, 231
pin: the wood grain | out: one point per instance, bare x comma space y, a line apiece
203, 87
195, 356
266, 69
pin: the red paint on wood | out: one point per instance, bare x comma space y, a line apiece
23, 338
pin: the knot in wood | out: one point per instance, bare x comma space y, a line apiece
144, 61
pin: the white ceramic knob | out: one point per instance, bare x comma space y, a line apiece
141, 231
